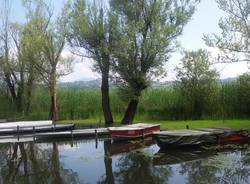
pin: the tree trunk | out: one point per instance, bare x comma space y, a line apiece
53, 115
130, 112
105, 98
30, 84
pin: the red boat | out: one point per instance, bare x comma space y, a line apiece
138, 130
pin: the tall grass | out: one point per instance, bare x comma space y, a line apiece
155, 104
7, 107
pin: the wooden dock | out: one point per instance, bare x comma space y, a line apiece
99, 132
72, 134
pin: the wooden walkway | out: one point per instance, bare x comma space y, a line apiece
78, 133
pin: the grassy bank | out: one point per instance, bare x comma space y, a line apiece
237, 124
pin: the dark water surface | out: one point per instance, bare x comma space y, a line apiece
83, 161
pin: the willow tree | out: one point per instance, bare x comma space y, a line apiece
91, 31
145, 37
48, 35
16, 68
234, 40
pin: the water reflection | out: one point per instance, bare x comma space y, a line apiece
225, 167
109, 178
136, 167
31, 163
178, 156
109, 163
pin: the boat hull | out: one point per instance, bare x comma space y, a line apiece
133, 131
197, 138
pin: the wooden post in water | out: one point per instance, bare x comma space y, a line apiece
18, 132
96, 139
72, 136
34, 133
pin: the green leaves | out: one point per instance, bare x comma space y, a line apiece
235, 31
147, 31
196, 80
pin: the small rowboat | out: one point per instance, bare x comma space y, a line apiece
138, 130
198, 137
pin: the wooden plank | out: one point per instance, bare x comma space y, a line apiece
74, 133
80, 133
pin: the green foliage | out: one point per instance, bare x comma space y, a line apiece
146, 35
196, 81
244, 94
90, 29
235, 34
230, 101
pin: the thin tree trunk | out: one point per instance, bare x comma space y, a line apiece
30, 84
105, 98
53, 115
130, 112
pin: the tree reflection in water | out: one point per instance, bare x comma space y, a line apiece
137, 167
108, 178
224, 168
31, 163
132, 167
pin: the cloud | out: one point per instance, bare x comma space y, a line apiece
82, 71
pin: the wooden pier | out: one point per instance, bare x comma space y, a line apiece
72, 134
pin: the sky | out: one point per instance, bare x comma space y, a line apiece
204, 21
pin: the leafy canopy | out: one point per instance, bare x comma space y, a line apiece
145, 36
234, 40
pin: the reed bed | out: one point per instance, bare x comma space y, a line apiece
155, 104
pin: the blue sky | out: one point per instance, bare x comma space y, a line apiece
204, 21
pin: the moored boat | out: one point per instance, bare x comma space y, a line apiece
133, 131
198, 137
27, 128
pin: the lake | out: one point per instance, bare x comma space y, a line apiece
88, 161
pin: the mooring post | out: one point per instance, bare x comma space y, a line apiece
71, 131
96, 139
18, 132
34, 132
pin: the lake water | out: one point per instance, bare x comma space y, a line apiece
84, 161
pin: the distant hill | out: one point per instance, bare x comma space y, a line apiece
96, 83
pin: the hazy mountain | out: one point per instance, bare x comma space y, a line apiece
96, 83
